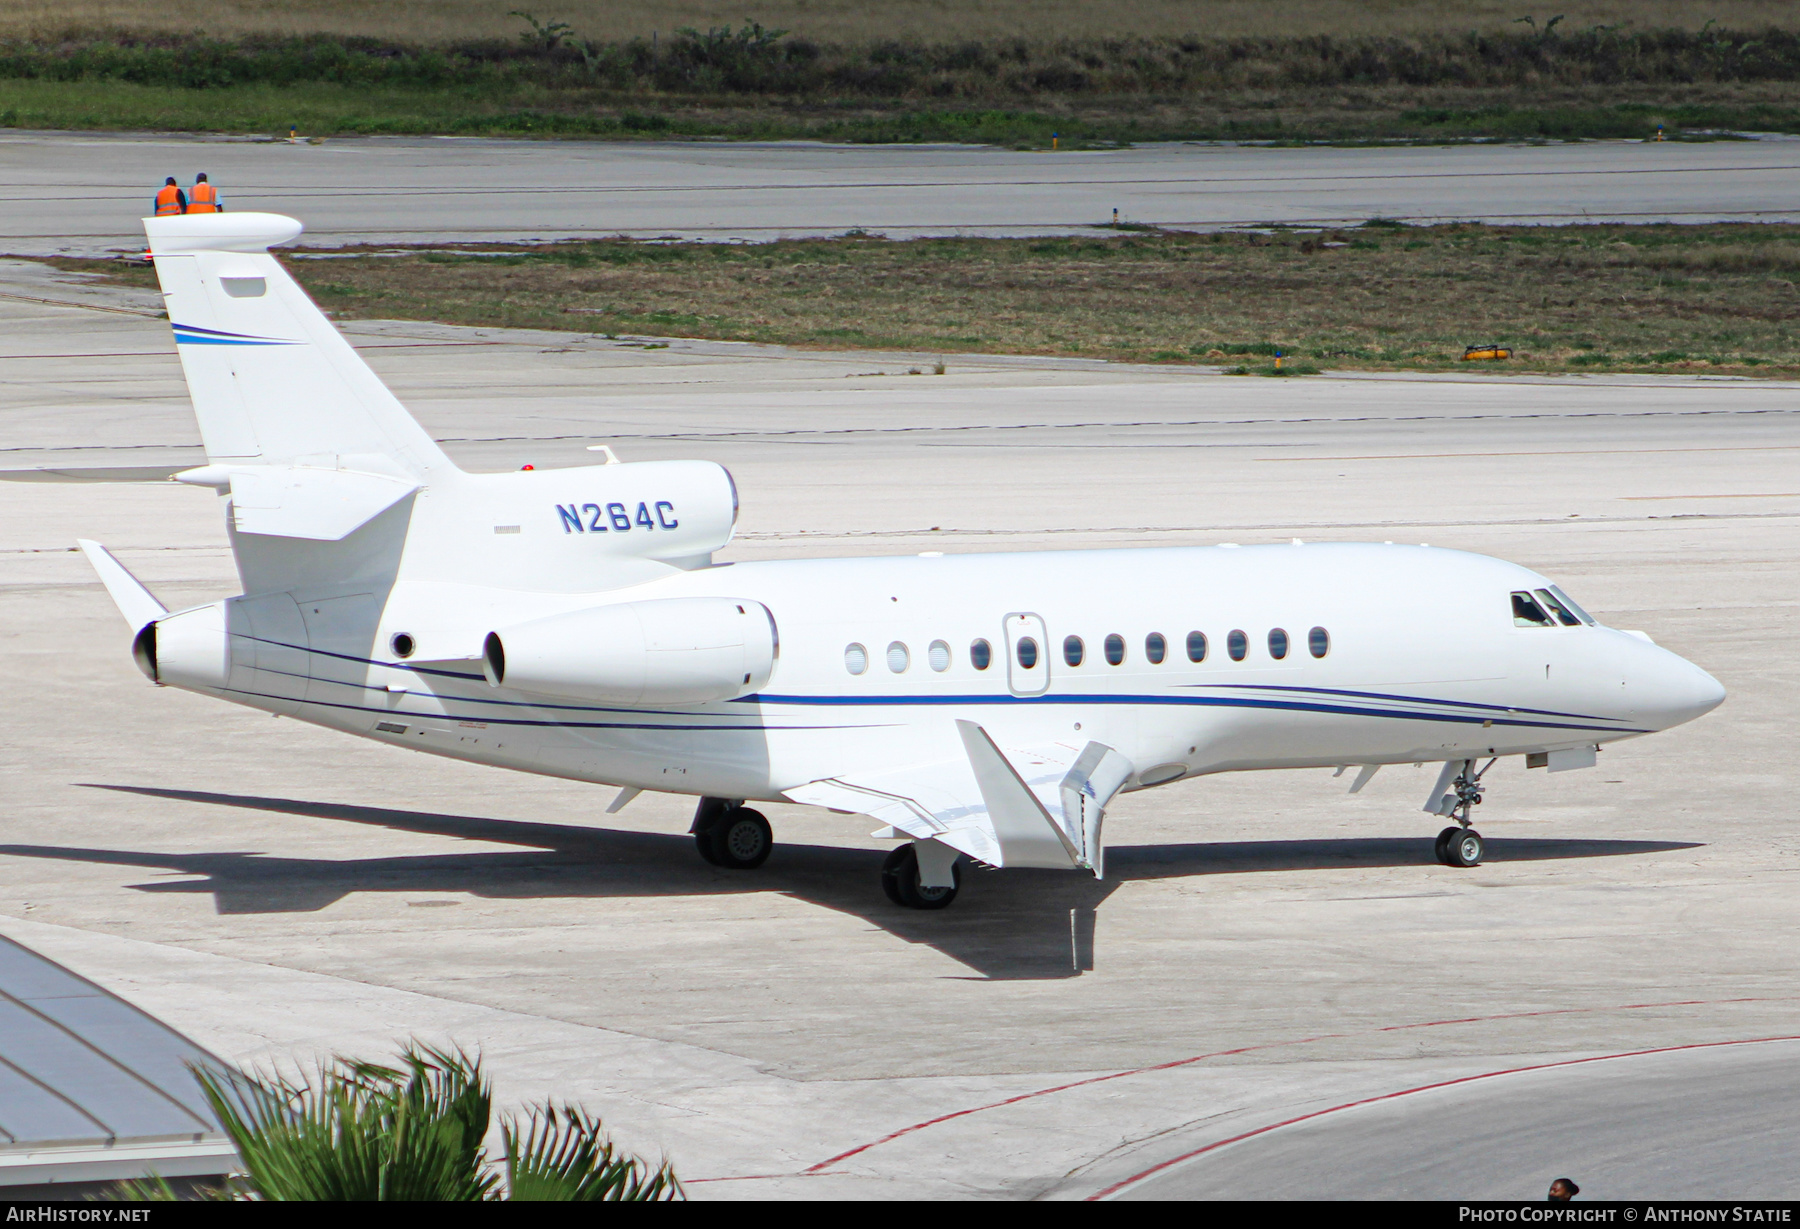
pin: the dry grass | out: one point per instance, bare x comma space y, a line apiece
856, 21
1591, 298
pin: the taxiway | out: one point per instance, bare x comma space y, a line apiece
1265, 947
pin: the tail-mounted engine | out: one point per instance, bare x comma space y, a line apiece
187, 649
685, 650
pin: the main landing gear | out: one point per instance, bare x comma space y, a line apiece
1461, 845
901, 880
731, 835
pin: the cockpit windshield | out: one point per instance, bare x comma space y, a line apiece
1569, 603
1527, 613
1557, 608
1547, 608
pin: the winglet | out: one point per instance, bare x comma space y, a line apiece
127, 591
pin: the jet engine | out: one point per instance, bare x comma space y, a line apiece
187, 649
684, 650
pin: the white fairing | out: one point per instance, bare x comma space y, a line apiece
689, 650
188, 649
570, 622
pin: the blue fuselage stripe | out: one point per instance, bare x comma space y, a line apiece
1487, 713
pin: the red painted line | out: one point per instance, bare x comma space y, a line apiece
1044, 1092
1183, 1062
1116, 1187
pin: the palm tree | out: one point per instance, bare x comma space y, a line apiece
358, 1130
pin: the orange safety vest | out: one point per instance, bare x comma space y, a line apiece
168, 201
203, 199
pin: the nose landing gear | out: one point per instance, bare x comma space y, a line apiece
1461, 846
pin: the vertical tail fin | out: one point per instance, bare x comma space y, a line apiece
272, 381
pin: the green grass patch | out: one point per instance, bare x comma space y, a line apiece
752, 83
1717, 299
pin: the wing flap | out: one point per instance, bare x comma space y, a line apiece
1037, 807
934, 800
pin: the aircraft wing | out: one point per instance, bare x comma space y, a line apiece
1027, 806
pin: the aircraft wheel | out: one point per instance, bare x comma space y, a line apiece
703, 841
890, 871
1443, 844
1464, 849
900, 880
741, 841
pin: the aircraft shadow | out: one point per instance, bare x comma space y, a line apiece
1021, 925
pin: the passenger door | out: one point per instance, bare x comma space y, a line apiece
1027, 642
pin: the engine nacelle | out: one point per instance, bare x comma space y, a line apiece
683, 650
188, 649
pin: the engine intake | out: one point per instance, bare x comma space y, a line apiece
684, 650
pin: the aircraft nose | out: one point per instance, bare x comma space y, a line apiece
1679, 691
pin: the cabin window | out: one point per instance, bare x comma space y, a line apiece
898, 658
1557, 608
1318, 642
1155, 648
1527, 613
1569, 602
939, 656
1278, 642
1027, 652
981, 653
1196, 646
856, 658
1237, 644
1115, 649
1073, 650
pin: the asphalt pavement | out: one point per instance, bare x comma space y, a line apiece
82, 193
1265, 947
1706, 1122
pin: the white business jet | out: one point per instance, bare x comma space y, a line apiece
572, 622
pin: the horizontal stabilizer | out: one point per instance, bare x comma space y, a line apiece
95, 473
324, 505
127, 592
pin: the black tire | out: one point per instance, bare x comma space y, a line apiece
1464, 849
703, 841
890, 872
1442, 849
900, 880
742, 841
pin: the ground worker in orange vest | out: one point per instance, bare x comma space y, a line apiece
204, 198
170, 200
